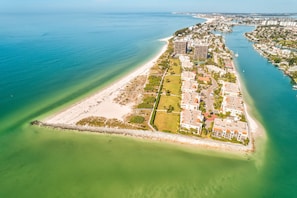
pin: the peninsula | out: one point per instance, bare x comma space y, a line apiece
277, 41
189, 93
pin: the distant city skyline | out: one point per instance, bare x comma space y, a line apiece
251, 6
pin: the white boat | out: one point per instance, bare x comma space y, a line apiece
295, 87
236, 55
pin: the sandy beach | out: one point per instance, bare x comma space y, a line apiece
102, 103
208, 20
256, 130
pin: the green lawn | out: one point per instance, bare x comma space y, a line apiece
172, 83
168, 122
165, 101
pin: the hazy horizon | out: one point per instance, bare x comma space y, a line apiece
211, 6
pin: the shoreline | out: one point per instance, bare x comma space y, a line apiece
101, 102
157, 136
257, 45
255, 127
207, 19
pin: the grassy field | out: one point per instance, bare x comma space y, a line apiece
175, 69
168, 122
173, 84
165, 101
175, 66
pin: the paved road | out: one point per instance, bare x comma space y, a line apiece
209, 99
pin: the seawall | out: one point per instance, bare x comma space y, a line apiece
155, 135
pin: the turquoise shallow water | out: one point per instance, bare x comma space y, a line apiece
276, 102
49, 60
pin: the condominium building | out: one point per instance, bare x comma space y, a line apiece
215, 69
180, 47
229, 129
233, 104
231, 89
200, 52
189, 86
185, 62
188, 75
190, 101
191, 119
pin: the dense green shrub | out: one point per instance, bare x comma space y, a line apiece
137, 119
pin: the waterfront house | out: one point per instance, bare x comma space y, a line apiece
228, 64
293, 69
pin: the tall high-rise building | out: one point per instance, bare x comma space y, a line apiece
200, 52
180, 47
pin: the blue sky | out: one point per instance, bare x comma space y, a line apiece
150, 5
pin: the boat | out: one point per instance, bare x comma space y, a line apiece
236, 55
295, 87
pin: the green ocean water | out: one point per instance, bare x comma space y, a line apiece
47, 65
